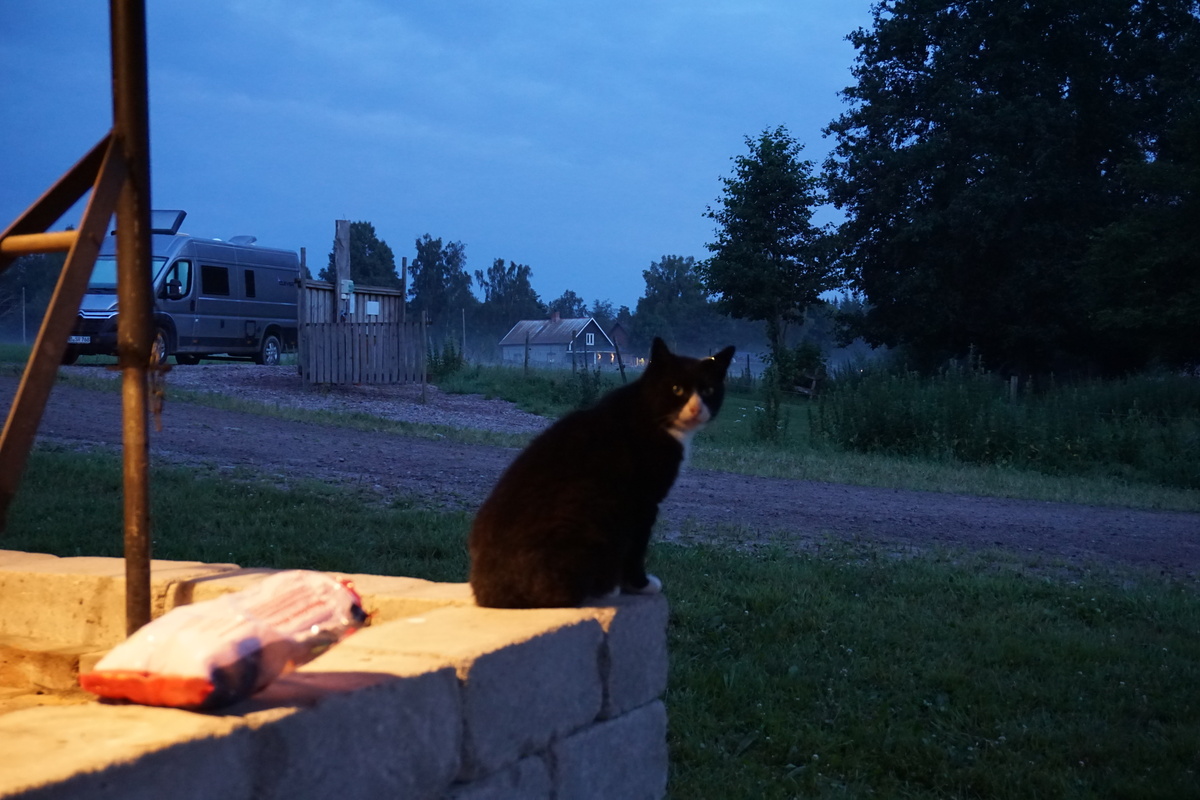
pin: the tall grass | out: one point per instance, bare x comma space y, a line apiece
837, 673
804, 446
547, 392
1144, 429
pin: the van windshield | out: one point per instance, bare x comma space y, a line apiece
104, 274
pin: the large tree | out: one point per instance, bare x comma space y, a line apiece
372, 262
508, 296
768, 261
983, 152
677, 308
569, 306
440, 285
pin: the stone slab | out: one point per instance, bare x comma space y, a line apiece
363, 735
624, 757
528, 779
82, 599
528, 676
49, 746
42, 664
635, 659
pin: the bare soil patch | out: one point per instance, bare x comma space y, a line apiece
740, 509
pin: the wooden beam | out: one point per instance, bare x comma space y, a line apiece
23, 244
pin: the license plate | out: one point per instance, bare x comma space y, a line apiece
79, 340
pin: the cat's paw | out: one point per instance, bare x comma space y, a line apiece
653, 586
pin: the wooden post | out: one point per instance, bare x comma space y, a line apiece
403, 289
620, 362
302, 313
526, 354
135, 323
424, 362
341, 265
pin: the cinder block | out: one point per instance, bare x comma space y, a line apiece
358, 735
12, 559
517, 699
199, 588
528, 676
634, 660
625, 757
96, 751
528, 779
386, 598
199, 769
38, 663
82, 600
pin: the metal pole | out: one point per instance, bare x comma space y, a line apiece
135, 329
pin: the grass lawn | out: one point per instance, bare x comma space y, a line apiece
840, 673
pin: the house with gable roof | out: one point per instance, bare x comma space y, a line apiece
559, 343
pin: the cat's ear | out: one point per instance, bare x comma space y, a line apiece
658, 350
724, 358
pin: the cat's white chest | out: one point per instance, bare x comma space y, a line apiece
688, 421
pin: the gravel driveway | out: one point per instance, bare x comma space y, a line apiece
739, 508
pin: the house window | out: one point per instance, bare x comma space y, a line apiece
590, 338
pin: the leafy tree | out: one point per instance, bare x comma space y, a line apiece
603, 312
988, 143
440, 285
508, 296
1142, 272
569, 306
25, 289
371, 260
676, 307
768, 259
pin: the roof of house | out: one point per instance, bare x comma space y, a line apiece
549, 331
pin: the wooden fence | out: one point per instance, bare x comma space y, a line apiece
361, 339
361, 352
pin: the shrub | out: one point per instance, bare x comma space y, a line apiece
1145, 429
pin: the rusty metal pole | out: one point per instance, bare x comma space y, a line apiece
135, 327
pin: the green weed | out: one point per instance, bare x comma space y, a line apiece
1139, 430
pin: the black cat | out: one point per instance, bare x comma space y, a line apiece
570, 518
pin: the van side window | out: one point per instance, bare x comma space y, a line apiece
214, 280
177, 282
249, 283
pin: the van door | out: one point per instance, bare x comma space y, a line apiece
175, 299
216, 310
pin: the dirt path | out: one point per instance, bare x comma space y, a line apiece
800, 512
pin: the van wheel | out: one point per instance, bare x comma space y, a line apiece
268, 354
187, 359
158, 350
70, 356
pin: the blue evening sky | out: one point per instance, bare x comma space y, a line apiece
585, 139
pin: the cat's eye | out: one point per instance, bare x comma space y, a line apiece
678, 390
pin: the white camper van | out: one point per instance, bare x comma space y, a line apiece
211, 298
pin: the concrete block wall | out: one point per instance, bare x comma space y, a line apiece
436, 699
